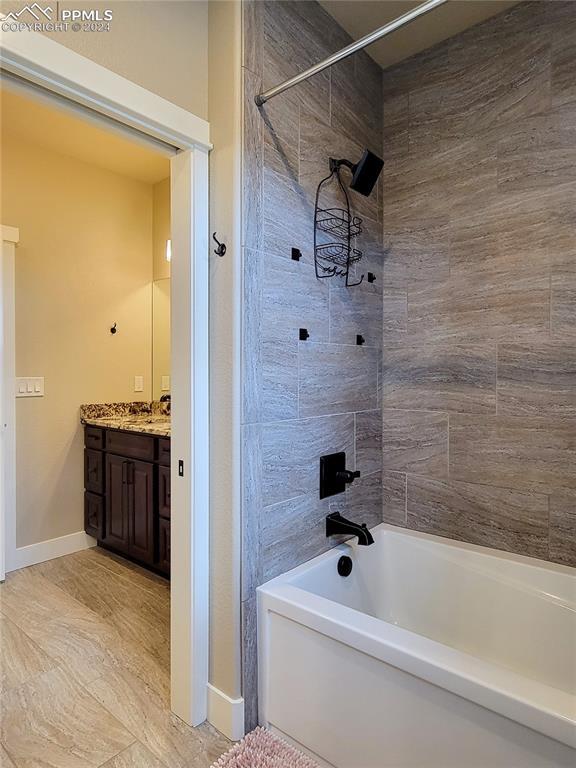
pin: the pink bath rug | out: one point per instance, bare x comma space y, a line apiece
261, 749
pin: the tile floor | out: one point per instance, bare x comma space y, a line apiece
84, 670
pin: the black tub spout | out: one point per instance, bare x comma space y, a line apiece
336, 524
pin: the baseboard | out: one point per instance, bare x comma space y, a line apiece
48, 550
226, 714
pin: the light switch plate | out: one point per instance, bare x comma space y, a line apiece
165, 384
138, 383
30, 386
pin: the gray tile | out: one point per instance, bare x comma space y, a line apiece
527, 453
291, 453
564, 57
294, 298
537, 379
363, 502
539, 151
394, 498
394, 314
279, 379
563, 305
480, 514
395, 107
563, 527
293, 42
356, 102
492, 243
251, 507
423, 187
250, 663
502, 308
416, 442
288, 215
252, 165
293, 532
335, 378
318, 142
251, 329
252, 35
515, 83
356, 311
369, 441
281, 133
443, 377
419, 254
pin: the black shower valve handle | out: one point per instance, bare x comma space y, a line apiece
347, 475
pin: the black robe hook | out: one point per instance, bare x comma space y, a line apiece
221, 250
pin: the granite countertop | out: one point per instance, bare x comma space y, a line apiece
148, 418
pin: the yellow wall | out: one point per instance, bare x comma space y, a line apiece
160, 44
84, 262
225, 93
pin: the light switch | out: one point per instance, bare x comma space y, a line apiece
138, 383
30, 386
165, 384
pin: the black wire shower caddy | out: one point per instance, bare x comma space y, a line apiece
335, 230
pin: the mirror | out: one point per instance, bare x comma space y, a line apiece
160, 338
161, 291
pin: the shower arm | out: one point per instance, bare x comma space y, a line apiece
372, 37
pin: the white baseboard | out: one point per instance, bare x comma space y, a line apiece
48, 550
226, 714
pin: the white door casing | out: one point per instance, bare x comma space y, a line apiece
10, 238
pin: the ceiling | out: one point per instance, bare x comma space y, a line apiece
49, 125
359, 17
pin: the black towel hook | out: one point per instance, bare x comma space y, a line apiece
221, 250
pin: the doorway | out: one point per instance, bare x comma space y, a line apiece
46, 62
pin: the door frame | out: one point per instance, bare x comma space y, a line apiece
60, 72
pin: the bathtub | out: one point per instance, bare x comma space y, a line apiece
430, 654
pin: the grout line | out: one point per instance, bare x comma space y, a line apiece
406, 498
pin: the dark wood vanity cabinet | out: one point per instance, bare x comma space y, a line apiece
127, 494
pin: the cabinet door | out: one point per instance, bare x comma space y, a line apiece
93, 471
116, 518
141, 511
164, 545
164, 492
93, 514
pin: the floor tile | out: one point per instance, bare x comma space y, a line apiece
143, 714
20, 658
135, 756
54, 721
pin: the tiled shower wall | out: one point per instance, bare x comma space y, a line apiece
479, 353
302, 399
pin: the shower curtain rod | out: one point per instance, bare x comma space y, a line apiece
406, 18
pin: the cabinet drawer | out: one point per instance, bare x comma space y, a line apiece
94, 515
134, 446
164, 492
93, 471
164, 451
94, 438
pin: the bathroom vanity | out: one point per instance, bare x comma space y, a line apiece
127, 483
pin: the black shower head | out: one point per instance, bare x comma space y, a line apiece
366, 172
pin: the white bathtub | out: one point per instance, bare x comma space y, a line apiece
431, 654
